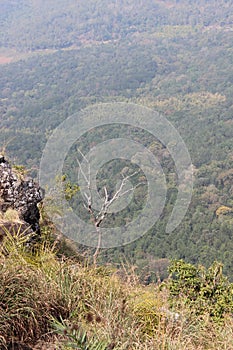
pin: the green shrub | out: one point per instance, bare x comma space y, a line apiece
202, 291
146, 308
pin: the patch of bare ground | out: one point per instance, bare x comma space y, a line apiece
5, 59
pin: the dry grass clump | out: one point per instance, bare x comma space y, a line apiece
51, 303
10, 215
29, 296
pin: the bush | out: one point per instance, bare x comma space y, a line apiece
146, 307
202, 291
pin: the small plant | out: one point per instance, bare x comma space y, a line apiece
77, 338
146, 309
69, 189
20, 171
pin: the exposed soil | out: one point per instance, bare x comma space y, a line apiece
5, 59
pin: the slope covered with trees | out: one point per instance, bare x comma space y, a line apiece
173, 56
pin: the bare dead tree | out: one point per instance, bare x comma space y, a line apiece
98, 218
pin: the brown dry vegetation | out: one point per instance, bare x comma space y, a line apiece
49, 303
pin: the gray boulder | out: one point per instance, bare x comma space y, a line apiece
20, 194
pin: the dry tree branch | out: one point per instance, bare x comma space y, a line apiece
98, 218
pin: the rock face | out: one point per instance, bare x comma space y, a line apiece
19, 194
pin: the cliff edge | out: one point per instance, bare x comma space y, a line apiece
20, 194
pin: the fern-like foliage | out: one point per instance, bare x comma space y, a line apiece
77, 338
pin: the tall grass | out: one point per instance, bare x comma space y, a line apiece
46, 300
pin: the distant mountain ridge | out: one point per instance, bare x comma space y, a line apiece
32, 25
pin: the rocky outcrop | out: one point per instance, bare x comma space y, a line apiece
20, 194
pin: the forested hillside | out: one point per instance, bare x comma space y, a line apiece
175, 57
32, 25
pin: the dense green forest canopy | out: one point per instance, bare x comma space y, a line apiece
173, 56
66, 23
